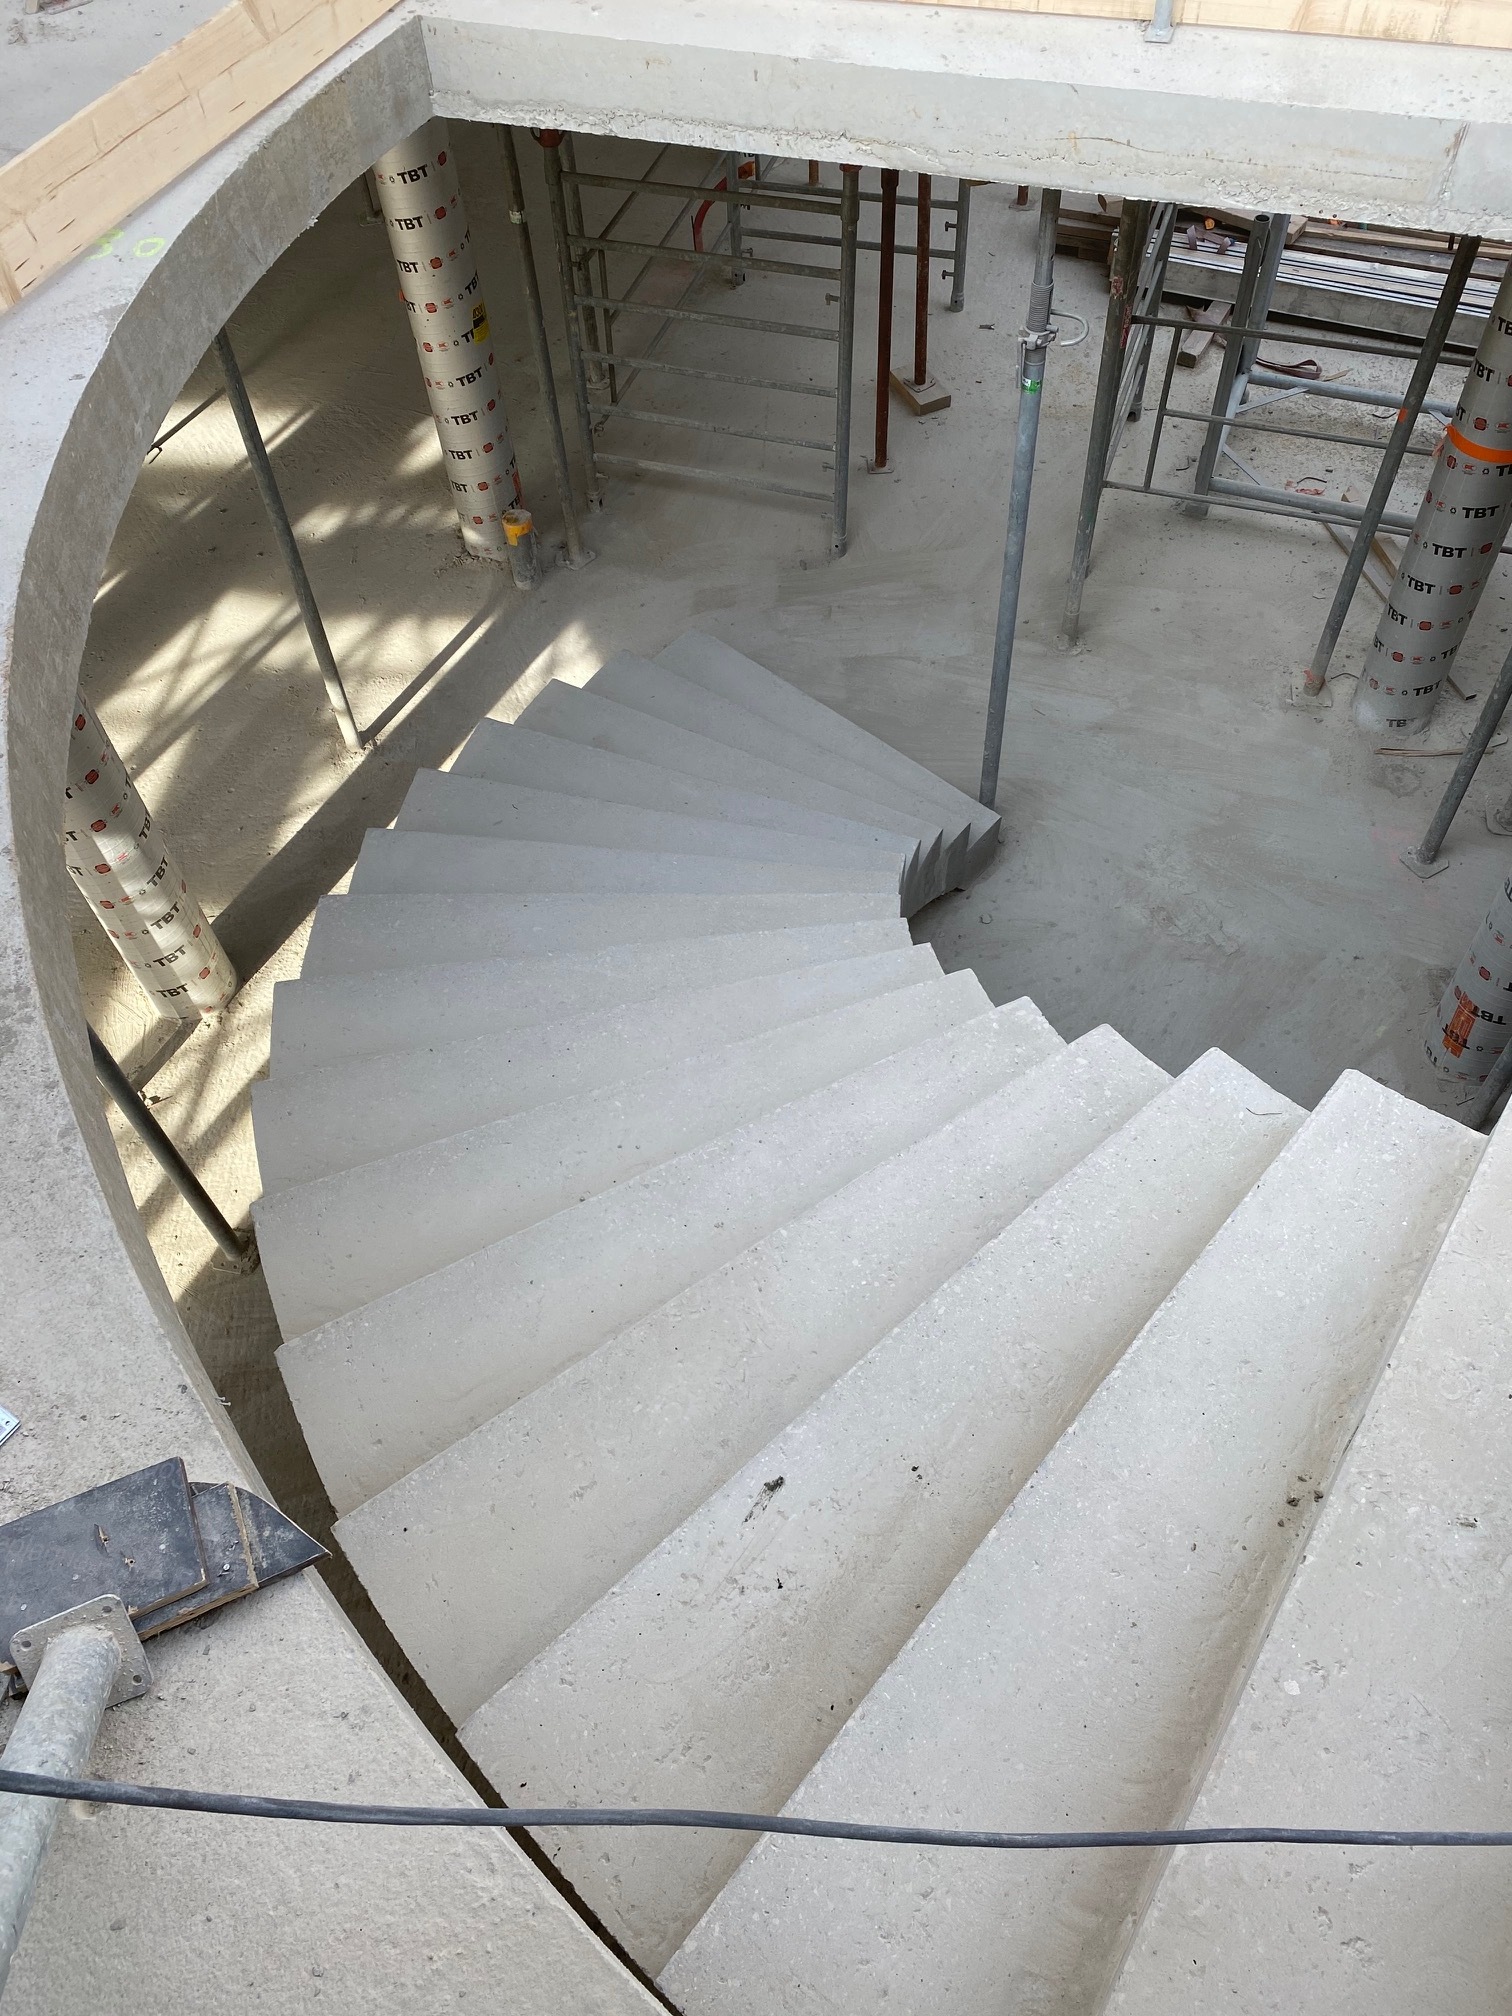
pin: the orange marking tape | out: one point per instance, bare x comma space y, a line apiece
1469, 447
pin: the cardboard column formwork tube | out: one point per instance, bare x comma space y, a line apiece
132, 882
443, 297
1461, 524
1470, 1027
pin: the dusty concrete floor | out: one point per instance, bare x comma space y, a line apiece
1186, 856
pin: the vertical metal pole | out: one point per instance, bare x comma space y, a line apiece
921, 283
551, 153
962, 224
1423, 859
1437, 334
582, 261
1496, 1081
1034, 344
1150, 294
737, 239
283, 532
1109, 377
850, 215
1251, 303
885, 272
577, 553
143, 1122
1135, 220
54, 1734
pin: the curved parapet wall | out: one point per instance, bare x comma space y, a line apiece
277, 1694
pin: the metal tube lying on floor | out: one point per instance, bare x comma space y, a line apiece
1452, 547
1442, 320
132, 882
1034, 343
54, 1734
441, 292
288, 546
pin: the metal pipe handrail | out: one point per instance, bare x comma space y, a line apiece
875, 195
718, 476
698, 426
902, 251
1330, 512
765, 328
1275, 334
1285, 433
747, 196
720, 377
1321, 388
138, 1115
288, 545
681, 255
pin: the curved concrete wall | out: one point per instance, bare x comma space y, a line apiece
277, 1693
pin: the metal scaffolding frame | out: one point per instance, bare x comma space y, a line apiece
1135, 316
595, 309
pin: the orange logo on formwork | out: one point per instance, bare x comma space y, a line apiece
1463, 1020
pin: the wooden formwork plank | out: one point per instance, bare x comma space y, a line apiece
63, 194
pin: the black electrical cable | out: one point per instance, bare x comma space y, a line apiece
102, 1792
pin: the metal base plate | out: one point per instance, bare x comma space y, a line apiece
108, 1613
1409, 859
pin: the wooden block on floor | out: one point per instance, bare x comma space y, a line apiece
929, 397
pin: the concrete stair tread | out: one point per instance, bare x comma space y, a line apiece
606, 1458
657, 690
442, 801
348, 1015
1109, 1618
1379, 1699
737, 1659
519, 754
311, 1122
720, 668
439, 863
329, 1246
380, 1391
590, 718
371, 934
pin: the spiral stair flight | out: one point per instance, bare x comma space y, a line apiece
754, 1370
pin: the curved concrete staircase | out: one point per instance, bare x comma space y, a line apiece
753, 1370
